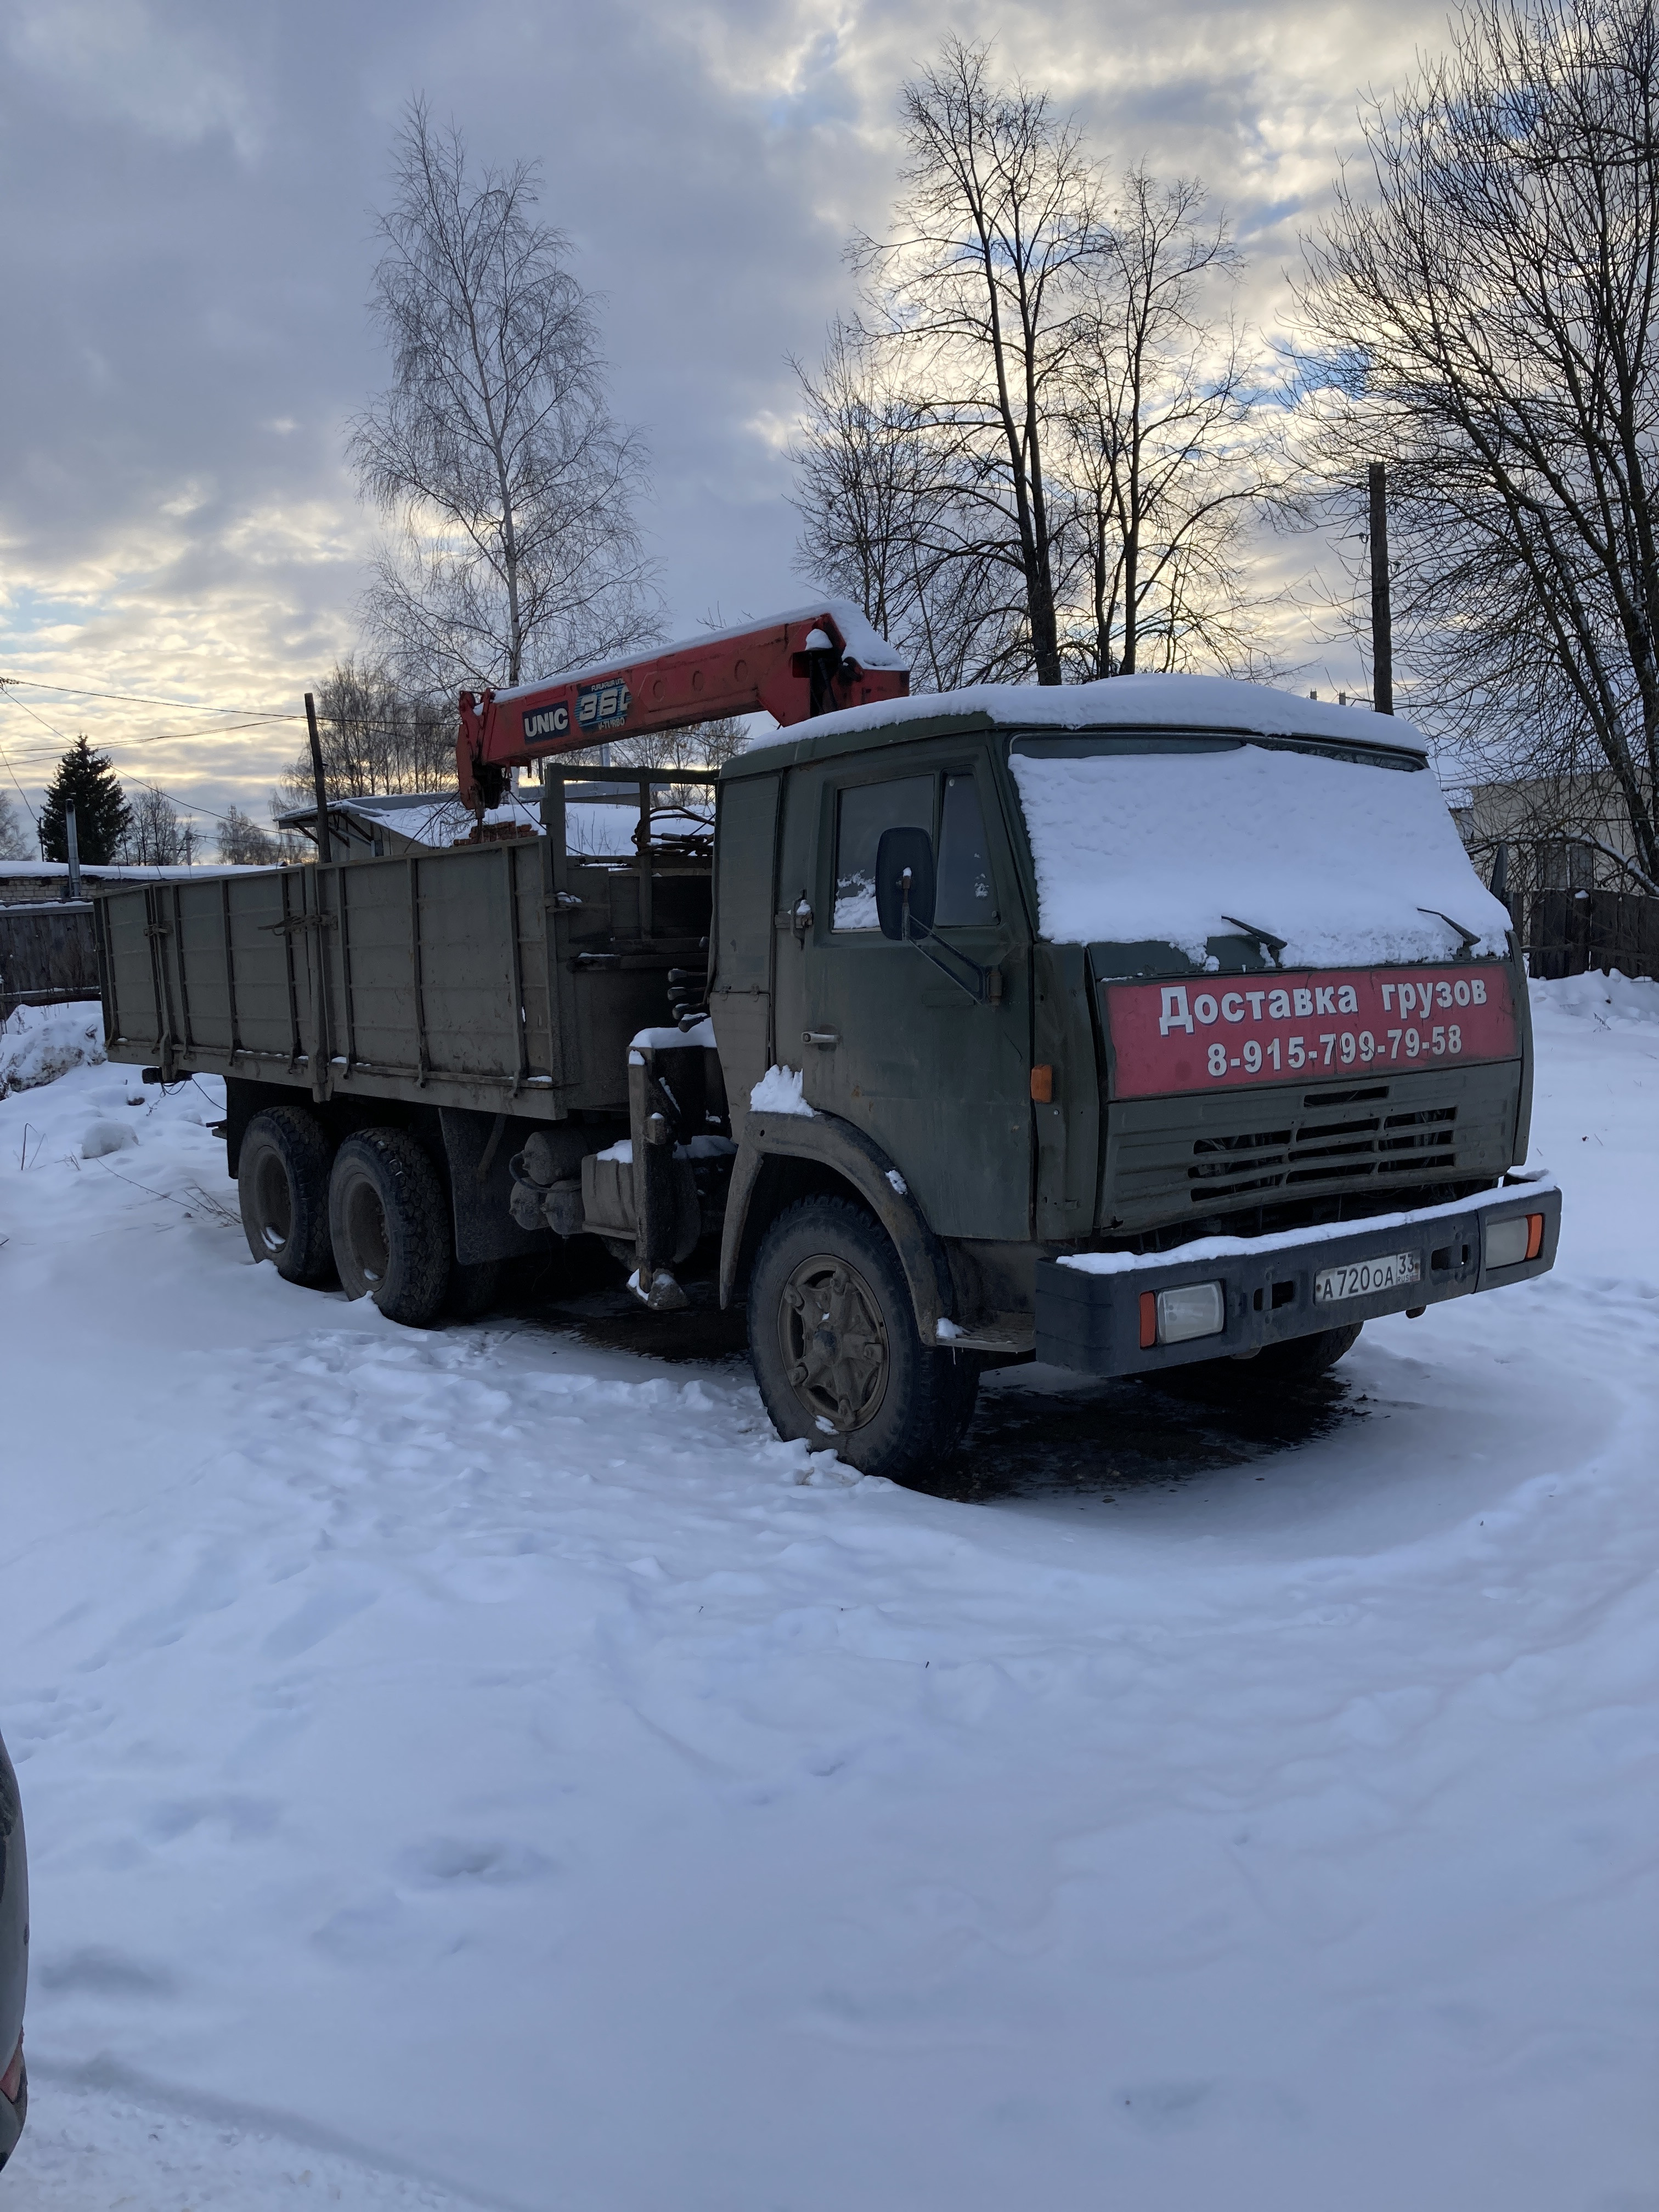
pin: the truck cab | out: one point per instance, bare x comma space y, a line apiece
1208, 1046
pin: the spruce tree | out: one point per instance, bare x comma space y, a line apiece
102, 813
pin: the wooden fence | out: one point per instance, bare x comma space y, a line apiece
48, 954
1568, 933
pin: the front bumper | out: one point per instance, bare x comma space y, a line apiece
1092, 1321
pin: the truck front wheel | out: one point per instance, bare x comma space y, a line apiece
1276, 1367
389, 1221
832, 1335
281, 1185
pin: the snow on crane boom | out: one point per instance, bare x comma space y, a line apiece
820, 658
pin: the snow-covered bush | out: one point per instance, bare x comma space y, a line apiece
1593, 997
39, 1043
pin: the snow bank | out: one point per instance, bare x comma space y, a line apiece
1339, 859
441, 1744
39, 1043
1613, 998
100, 1138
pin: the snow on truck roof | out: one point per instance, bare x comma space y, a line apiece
1150, 846
1216, 703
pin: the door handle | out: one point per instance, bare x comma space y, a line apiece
820, 1037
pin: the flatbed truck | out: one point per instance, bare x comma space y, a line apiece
1129, 1026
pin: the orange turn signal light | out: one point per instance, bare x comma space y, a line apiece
1535, 1234
1148, 1319
1042, 1085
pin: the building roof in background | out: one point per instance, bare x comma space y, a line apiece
434, 818
600, 817
56, 872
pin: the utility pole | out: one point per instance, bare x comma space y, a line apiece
73, 843
323, 851
1381, 615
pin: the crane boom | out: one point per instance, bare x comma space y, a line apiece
821, 658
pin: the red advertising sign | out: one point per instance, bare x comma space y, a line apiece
1217, 1033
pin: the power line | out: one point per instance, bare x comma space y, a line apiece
142, 699
155, 738
22, 793
188, 805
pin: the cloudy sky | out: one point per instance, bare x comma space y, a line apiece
190, 192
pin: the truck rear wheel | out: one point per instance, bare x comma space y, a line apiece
281, 1185
832, 1335
389, 1221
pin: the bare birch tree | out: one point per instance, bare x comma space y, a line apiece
509, 485
243, 843
154, 837
1488, 304
1039, 450
16, 842
975, 288
378, 734
884, 522
1166, 457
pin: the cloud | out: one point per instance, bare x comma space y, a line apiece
152, 68
190, 191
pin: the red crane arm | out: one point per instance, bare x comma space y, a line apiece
794, 666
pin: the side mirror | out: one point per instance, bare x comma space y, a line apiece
904, 861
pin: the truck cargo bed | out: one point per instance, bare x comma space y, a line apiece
500, 976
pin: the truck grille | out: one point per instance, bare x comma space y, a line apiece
1318, 1148
1168, 1160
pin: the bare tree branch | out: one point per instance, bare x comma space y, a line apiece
1487, 308
510, 488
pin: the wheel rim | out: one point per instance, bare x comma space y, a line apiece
366, 1231
275, 1204
834, 1342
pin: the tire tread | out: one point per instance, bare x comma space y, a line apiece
417, 1213
938, 1389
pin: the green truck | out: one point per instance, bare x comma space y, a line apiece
1123, 1026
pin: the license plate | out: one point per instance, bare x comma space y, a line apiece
1363, 1279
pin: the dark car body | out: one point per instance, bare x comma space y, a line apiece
13, 1960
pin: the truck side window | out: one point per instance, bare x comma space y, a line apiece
966, 893
861, 815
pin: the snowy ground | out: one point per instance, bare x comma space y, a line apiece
485, 1768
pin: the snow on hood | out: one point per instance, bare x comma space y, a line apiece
1351, 864
1182, 703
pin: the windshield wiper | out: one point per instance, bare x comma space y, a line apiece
1274, 945
1469, 936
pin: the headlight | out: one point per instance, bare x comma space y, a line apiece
1509, 1242
1189, 1310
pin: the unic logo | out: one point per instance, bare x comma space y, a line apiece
546, 722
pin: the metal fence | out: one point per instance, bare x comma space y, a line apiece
1575, 905
48, 954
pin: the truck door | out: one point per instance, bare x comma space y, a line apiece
883, 1037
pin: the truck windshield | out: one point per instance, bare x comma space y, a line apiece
1171, 853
